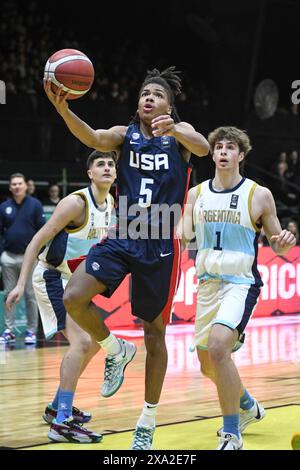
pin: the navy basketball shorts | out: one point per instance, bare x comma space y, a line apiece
154, 266
49, 286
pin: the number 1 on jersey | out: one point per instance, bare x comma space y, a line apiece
145, 201
218, 245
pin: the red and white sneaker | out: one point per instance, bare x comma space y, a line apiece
7, 337
79, 416
70, 431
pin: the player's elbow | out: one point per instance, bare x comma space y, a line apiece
204, 149
95, 141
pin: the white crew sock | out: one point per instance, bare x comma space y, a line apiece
110, 345
147, 418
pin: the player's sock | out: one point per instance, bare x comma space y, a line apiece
54, 403
110, 345
147, 418
246, 401
231, 424
65, 403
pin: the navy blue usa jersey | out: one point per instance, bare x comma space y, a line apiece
152, 174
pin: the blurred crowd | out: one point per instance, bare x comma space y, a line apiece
29, 35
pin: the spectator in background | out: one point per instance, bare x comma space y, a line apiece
284, 195
52, 200
294, 160
282, 157
292, 226
53, 195
281, 161
31, 189
293, 174
294, 110
20, 218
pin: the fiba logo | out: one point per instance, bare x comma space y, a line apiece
296, 94
2, 92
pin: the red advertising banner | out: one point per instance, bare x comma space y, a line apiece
280, 294
281, 277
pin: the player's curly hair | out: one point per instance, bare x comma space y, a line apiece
230, 133
170, 80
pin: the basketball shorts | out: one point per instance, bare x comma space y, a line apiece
154, 267
49, 286
225, 303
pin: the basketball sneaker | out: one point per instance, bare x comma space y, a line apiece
30, 337
7, 337
253, 415
115, 367
142, 438
79, 416
229, 441
70, 431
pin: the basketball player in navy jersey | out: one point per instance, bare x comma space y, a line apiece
153, 173
79, 221
227, 213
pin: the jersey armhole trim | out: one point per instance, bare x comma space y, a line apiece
198, 192
256, 228
86, 218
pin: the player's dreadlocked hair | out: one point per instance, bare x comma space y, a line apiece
169, 79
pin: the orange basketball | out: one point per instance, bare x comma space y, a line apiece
72, 69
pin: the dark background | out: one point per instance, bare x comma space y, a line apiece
224, 50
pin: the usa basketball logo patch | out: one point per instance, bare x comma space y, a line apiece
165, 140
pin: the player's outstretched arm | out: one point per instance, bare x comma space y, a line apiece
67, 210
102, 140
280, 240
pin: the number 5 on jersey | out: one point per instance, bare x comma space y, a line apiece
145, 192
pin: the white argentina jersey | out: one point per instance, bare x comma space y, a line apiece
226, 234
71, 243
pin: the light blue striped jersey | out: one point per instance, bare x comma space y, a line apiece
226, 234
72, 243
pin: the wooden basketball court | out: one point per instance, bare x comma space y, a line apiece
189, 414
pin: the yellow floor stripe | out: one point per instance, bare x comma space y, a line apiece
274, 432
